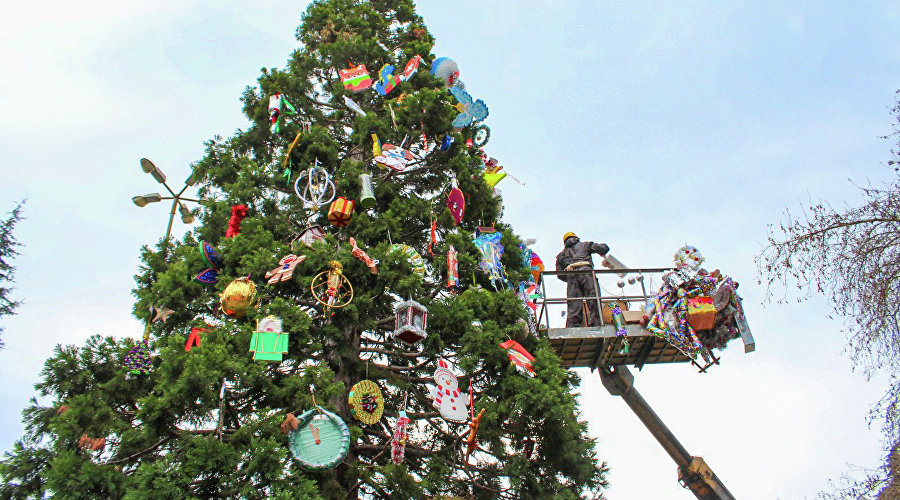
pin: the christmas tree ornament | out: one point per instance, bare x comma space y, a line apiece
447, 399
279, 107
688, 256
160, 314
286, 164
411, 67
318, 189
469, 111
446, 70
137, 361
367, 195
215, 262
350, 103
456, 202
321, 439
238, 213
452, 268
356, 78
481, 135
285, 270
532, 261
399, 437
410, 321
492, 172
331, 288
309, 236
340, 212
415, 259
492, 179
618, 320
433, 239
473, 431
701, 313
366, 402
237, 297
86, 443
488, 243
376, 145
268, 342
360, 254
519, 357
193, 339
386, 80
446, 143
394, 157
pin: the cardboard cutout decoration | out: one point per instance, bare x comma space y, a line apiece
285, 269
279, 107
452, 404
160, 314
394, 157
456, 202
469, 111
519, 357
356, 78
386, 80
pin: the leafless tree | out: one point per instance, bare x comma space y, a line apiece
852, 256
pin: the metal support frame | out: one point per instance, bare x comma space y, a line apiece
693, 472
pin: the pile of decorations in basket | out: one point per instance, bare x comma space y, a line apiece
318, 438
696, 309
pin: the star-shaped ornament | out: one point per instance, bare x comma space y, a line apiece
160, 314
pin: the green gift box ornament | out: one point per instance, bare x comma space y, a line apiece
268, 342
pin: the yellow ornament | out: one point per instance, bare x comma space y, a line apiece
237, 297
366, 402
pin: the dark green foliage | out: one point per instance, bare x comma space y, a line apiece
8, 245
205, 423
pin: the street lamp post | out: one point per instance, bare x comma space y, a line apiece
177, 199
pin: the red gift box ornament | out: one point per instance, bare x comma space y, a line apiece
340, 212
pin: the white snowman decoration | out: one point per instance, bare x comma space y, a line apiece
452, 404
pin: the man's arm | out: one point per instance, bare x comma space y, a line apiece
561, 266
599, 248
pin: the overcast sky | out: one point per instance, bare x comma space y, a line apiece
642, 125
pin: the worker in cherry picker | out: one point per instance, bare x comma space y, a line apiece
576, 256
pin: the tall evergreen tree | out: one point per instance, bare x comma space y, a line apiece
205, 423
8, 245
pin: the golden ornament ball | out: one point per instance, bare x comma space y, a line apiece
237, 297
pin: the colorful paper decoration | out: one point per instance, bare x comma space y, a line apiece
399, 437
340, 212
456, 202
318, 189
452, 404
356, 78
237, 297
360, 254
469, 111
532, 261
519, 357
688, 256
285, 269
701, 313
367, 195
160, 314
350, 103
394, 157
376, 145
320, 440
415, 260
445, 69
268, 342
473, 431
137, 361
331, 288
481, 135
411, 67
238, 213
452, 268
194, 338
618, 320
278, 108
387, 80
488, 243
366, 402
410, 321
214, 259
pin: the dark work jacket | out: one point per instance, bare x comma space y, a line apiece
576, 252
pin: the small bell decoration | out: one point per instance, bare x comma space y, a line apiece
268, 342
237, 297
340, 212
366, 402
367, 196
410, 322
